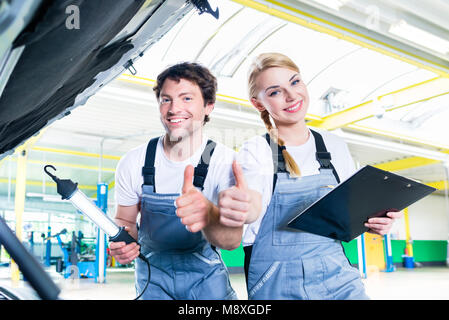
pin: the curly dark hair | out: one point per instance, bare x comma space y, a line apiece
193, 72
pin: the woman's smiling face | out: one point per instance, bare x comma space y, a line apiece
283, 94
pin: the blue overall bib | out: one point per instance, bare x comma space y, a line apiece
285, 263
184, 266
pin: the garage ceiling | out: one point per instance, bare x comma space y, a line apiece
124, 113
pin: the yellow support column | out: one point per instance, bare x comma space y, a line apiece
408, 239
374, 248
19, 205
19, 197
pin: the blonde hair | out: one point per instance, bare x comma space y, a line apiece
261, 63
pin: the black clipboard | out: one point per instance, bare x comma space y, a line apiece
370, 192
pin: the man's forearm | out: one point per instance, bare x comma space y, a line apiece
228, 238
126, 216
132, 227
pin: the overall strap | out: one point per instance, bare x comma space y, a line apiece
201, 169
149, 171
278, 158
322, 155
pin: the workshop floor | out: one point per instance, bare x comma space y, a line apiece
426, 283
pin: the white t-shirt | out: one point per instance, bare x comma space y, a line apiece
255, 157
169, 176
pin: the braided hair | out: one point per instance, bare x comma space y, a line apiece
263, 62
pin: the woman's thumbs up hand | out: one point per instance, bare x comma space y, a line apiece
234, 203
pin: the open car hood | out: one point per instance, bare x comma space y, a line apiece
55, 54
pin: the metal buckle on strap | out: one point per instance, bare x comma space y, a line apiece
199, 177
148, 175
324, 158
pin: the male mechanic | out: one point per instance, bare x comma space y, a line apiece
174, 182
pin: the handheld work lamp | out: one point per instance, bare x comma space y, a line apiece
69, 191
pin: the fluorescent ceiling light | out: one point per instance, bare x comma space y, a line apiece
401, 148
404, 30
45, 197
333, 4
51, 198
42, 195
397, 136
236, 117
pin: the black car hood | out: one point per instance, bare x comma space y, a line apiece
61, 66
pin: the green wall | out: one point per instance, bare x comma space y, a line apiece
351, 251
423, 251
234, 258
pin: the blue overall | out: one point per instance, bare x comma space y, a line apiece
184, 266
285, 263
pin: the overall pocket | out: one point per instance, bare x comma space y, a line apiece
342, 280
261, 289
164, 227
208, 256
325, 189
214, 285
287, 207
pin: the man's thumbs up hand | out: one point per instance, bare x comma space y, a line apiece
192, 207
234, 203
188, 179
